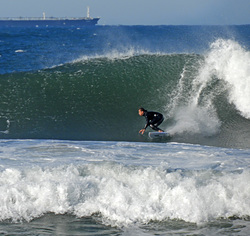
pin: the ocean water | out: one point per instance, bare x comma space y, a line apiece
71, 159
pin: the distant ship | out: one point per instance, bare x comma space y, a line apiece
48, 21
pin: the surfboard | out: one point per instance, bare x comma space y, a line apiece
157, 135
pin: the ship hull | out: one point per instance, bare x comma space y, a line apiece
49, 23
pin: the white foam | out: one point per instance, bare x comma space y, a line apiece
193, 110
124, 195
195, 119
230, 62
6, 131
126, 183
19, 51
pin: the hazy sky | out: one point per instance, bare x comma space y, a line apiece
137, 12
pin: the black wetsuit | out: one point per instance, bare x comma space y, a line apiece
153, 119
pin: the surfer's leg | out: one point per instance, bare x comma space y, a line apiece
154, 125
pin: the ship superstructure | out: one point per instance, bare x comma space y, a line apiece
48, 21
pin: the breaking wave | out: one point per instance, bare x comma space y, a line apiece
204, 98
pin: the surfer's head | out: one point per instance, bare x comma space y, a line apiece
141, 111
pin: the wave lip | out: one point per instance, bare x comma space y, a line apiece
116, 54
230, 63
214, 94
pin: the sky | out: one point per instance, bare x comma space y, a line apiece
136, 12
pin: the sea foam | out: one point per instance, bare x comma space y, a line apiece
124, 195
193, 101
229, 61
124, 183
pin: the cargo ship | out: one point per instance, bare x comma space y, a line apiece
48, 21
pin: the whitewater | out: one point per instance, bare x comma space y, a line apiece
71, 159
125, 184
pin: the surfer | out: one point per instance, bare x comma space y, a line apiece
153, 119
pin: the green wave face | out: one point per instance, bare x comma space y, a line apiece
98, 99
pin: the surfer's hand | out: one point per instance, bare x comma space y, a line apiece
142, 131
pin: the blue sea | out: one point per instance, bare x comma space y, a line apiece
71, 159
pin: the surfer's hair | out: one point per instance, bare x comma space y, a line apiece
142, 109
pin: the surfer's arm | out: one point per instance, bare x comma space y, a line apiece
143, 130
147, 123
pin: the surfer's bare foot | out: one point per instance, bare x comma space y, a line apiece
161, 131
